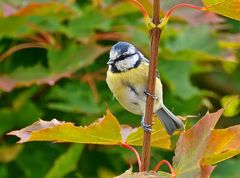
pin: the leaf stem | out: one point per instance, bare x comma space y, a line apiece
140, 6
160, 163
125, 145
18, 47
184, 5
148, 21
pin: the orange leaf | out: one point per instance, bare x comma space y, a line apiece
206, 171
228, 8
191, 145
223, 144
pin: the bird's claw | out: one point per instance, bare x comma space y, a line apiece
149, 94
145, 126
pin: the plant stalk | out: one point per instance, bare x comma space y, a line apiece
155, 37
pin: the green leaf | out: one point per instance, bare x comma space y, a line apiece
44, 159
73, 57
227, 168
61, 65
228, 8
14, 27
73, 97
8, 116
35, 17
197, 40
86, 25
3, 171
180, 84
66, 163
231, 104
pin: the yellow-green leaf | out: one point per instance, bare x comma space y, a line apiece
228, 8
105, 131
66, 163
231, 104
159, 137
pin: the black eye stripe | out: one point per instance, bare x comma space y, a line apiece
122, 57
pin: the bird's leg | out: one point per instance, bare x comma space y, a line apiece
149, 94
145, 127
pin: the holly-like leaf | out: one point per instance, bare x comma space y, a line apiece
228, 8
105, 131
191, 145
223, 144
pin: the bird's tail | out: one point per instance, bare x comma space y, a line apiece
169, 120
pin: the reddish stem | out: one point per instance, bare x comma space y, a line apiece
135, 152
160, 163
184, 5
18, 47
155, 37
142, 9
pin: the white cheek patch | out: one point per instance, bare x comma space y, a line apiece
113, 54
127, 63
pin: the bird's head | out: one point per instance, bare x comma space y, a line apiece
123, 56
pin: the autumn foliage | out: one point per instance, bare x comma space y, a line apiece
53, 58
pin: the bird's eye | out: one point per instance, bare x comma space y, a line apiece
122, 57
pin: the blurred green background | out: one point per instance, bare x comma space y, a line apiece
53, 58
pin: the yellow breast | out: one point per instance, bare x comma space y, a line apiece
135, 76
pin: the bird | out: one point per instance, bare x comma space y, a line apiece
127, 77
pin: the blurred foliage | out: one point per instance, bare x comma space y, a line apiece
52, 65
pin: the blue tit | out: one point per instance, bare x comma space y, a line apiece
127, 77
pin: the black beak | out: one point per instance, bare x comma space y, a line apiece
110, 62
